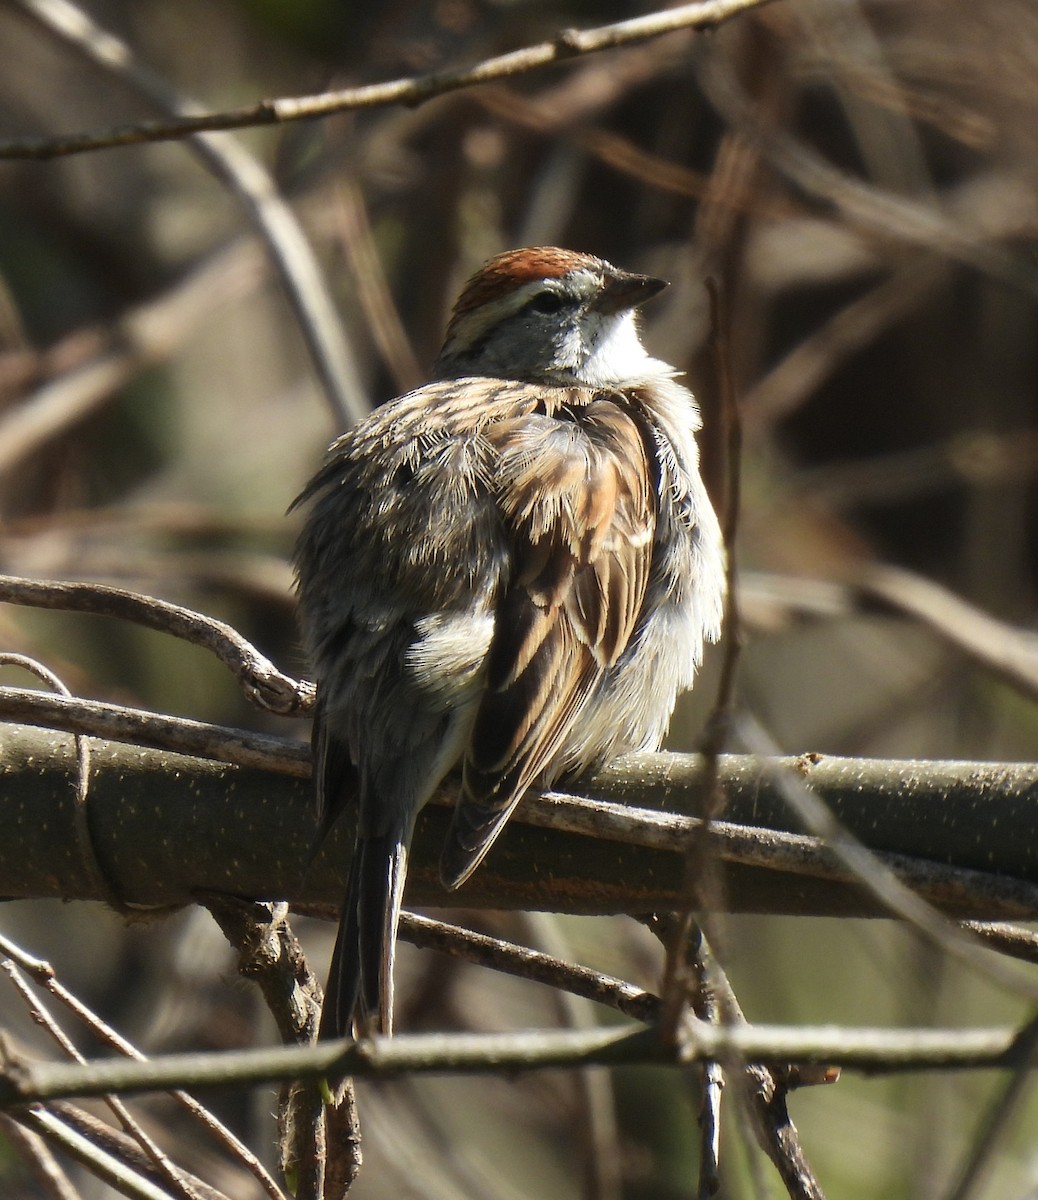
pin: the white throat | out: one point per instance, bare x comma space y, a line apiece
615, 354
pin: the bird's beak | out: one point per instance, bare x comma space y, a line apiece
623, 291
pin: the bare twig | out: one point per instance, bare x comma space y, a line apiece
145, 334
702, 878
1012, 940
792, 381
1010, 652
706, 1008
525, 963
270, 955
260, 680
564, 112
106, 1153
595, 1117
1005, 1106
801, 854
761, 1088
342, 1131
369, 278
869, 1049
179, 734
43, 975
776, 1132
250, 183
877, 878
156, 1158
706, 14
881, 213
684, 980
763, 1091
42, 1166
976, 458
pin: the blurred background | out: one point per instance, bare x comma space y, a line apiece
861, 181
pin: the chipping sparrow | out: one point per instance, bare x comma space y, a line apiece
511, 570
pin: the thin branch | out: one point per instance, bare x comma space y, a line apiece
1009, 651
525, 963
703, 880
777, 1133
594, 1116
882, 214
795, 378
44, 976
342, 1132
1012, 940
259, 679
877, 878
373, 292
565, 112
973, 459
874, 1051
145, 334
254, 189
803, 854
120, 1146
200, 739
111, 1170
763, 1091
1004, 1107
43, 1168
153, 1155
569, 43
704, 1005
270, 955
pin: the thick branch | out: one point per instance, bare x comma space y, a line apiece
165, 825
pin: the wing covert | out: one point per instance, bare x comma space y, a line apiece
580, 517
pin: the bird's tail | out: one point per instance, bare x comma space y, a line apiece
359, 995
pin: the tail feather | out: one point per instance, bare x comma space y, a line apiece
359, 994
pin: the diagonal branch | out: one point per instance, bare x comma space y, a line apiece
260, 680
569, 43
250, 183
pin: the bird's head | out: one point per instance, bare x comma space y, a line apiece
549, 315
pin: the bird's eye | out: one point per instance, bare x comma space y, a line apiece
546, 302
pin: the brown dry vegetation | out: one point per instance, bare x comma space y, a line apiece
861, 180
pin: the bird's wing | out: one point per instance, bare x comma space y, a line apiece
576, 491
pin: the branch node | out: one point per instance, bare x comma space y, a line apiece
568, 43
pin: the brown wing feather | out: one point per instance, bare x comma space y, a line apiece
575, 494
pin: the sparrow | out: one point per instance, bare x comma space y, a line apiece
510, 571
